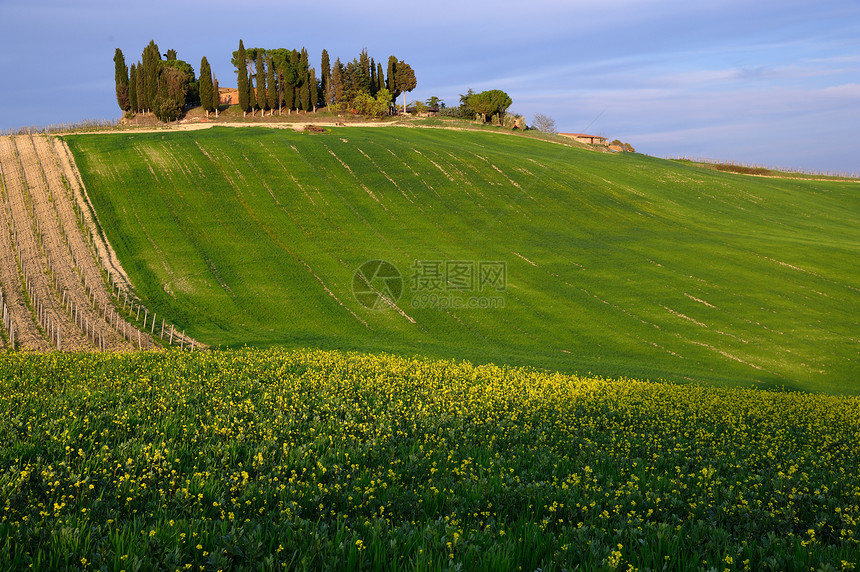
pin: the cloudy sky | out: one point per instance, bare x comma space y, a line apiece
762, 82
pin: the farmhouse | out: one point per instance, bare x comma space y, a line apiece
228, 95
583, 138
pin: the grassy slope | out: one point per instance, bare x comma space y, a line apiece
618, 265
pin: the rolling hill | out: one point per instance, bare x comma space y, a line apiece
506, 249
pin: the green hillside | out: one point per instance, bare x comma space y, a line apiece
614, 264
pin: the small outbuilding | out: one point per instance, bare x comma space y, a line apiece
584, 138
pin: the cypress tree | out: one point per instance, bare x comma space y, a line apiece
364, 65
337, 82
206, 86
216, 96
252, 96
132, 88
261, 93
303, 98
291, 80
313, 89
139, 88
272, 95
121, 77
242, 80
325, 79
392, 77
373, 85
151, 67
380, 77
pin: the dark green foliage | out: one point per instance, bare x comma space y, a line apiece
313, 89
337, 82
192, 90
261, 93
405, 79
216, 97
365, 71
140, 87
252, 95
392, 77
121, 77
170, 55
327, 93
488, 103
435, 102
374, 86
241, 64
271, 86
151, 69
132, 88
170, 97
304, 100
380, 78
206, 87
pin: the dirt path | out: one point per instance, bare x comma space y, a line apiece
238, 124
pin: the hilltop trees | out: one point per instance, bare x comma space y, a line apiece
325, 78
242, 78
489, 103
392, 85
265, 78
272, 94
151, 58
404, 79
132, 87
261, 93
336, 82
121, 77
162, 87
208, 95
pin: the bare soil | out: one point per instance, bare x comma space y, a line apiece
79, 279
31, 260
49, 276
27, 334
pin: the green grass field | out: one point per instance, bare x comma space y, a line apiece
309, 460
620, 265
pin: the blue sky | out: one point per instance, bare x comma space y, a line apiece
773, 83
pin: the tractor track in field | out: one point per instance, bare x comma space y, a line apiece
54, 295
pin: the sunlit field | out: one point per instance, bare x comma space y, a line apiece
616, 264
272, 459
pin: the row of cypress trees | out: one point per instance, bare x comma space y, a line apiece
270, 79
162, 86
266, 79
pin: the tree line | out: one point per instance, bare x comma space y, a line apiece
283, 79
161, 85
267, 80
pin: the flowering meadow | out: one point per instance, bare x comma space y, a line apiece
285, 459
